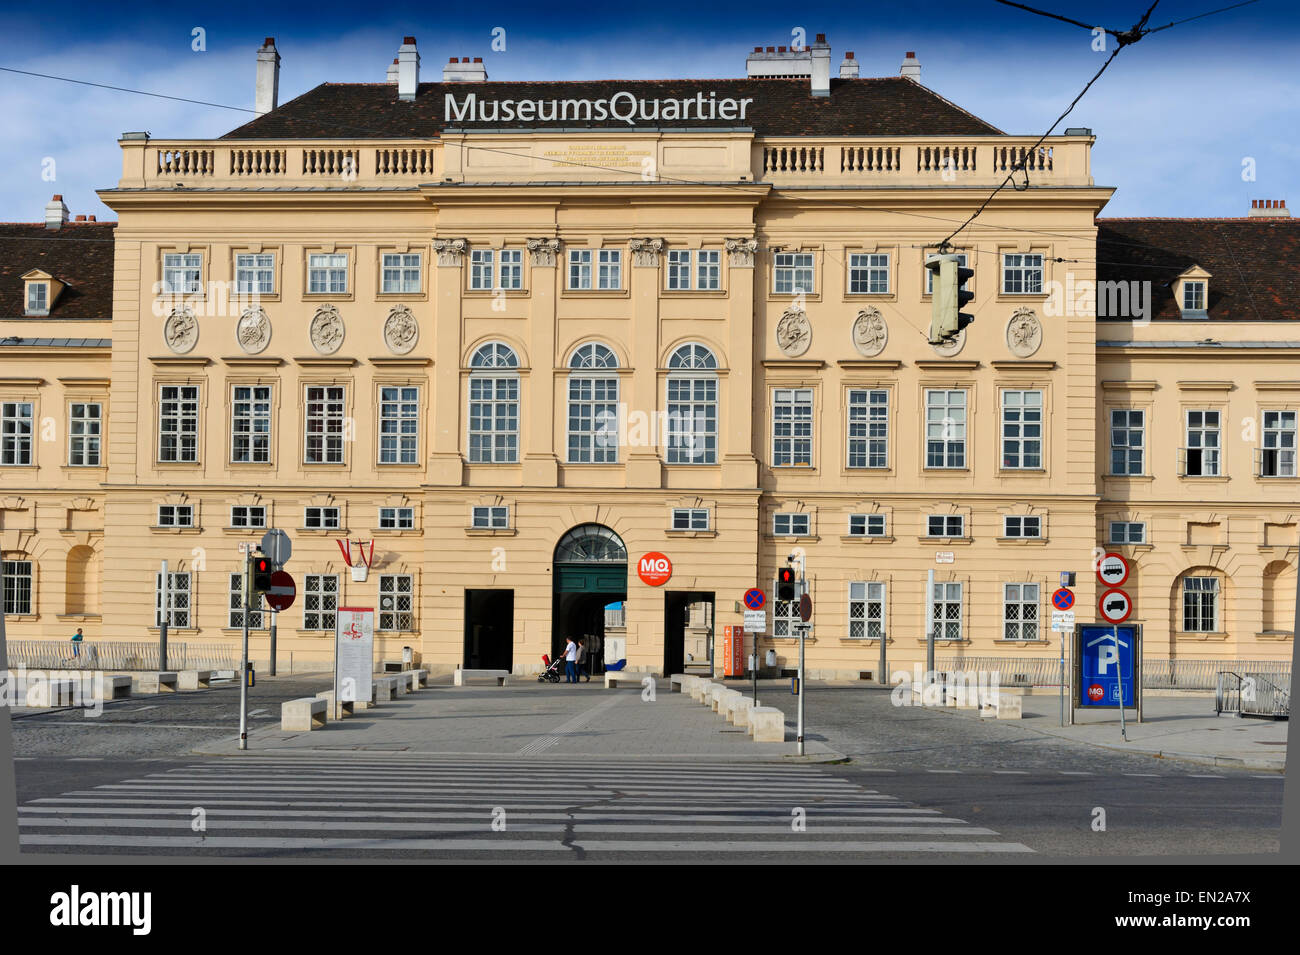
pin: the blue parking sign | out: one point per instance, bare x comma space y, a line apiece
1106, 666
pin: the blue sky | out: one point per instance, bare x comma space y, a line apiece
1176, 115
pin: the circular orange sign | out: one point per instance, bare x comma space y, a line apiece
654, 569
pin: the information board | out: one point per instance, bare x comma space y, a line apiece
354, 654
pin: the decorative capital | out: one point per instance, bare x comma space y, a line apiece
450, 251
543, 251
740, 252
645, 252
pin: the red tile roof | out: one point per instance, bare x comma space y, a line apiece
80, 255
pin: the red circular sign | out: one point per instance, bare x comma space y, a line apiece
1095, 692
654, 569
1112, 569
282, 591
1115, 606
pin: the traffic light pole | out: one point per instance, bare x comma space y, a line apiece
803, 633
273, 615
243, 662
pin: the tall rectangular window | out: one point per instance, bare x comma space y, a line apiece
1020, 612
178, 600
237, 606
708, 269
692, 421
945, 429
868, 428
38, 301
182, 273
17, 587
1193, 296
945, 611
1200, 604
250, 424
399, 424
1022, 274
866, 609
1022, 430
396, 602
16, 432
482, 271
1127, 441
593, 420
85, 426
679, 269
869, 273
699, 269
178, 423
792, 427
793, 273
511, 272
494, 419
320, 601
325, 423
401, 273
609, 268
1202, 444
327, 274
255, 274
1278, 455
580, 269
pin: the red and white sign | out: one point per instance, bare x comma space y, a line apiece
1115, 606
1096, 692
282, 591
654, 569
1112, 570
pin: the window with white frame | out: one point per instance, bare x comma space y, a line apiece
792, 427
945, 525
962, 259
785, 615
321, 518
327, 273
1127, 441
182, 273
869, 273
1022, 274
323, 441
250, 424
1193, 296
791, 524
692, 406
1127, 532
38, 298
866, 525
397, 518
690, 519
1020, 525
708, 269
175, 515
85, 431
494, 517
699, 269
510, 275
1278, 454
1202, 449
399, 424
482, 269
1200, 604
401, 273
255, 274
396, 602
868, 428
793, 273
945, 429
494, 405
17, 587
945, 611
595, 269
178, 599
243, 515
237, 606
593, 406
16, 432
1020, 611
320, 601
178, 423
1022, 430
866, 609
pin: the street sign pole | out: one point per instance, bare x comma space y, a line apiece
929, 627
803, 633
243, 662
1062, 677
273, 615
162, 621
1123, 729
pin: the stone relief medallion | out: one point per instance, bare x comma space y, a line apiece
793, 332
951, 347
181, 330
253, 330
870, 333
1024, 332
401, 331
326, 330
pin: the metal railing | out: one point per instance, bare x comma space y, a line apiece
1253, 694
116, 655
1157, 673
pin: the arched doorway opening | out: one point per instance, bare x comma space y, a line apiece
589, 574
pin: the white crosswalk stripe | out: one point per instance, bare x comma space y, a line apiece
464, 808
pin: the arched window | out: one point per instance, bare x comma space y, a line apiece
494, 405
692, 406
593, 406
590, 544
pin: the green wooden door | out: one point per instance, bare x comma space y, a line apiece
591, 578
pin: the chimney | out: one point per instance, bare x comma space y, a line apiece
267, 96
1269, 209
56, 213
463, 71
821, 66
911, 67
778, 63
392, 73
849, 68
408, 70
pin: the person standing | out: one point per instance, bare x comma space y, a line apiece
570, 661
76, 643
583, 665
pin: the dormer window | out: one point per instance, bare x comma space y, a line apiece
38, 298
1193, 296
1192, 293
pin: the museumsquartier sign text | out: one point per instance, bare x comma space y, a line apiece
621, 107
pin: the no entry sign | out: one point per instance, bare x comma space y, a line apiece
282, 591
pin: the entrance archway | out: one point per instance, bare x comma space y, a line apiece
589, 572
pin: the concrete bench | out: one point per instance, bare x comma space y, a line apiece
766, 724
336, 711
111, 687
1005, 706
616, 678
715, 691
303, 715
728, 700
463, 677
739, 713
46, 693
406, 682
421, 678
696, 688
195, 679
164, 682
676, 681
385, 688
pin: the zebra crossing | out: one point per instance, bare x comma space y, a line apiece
475, 808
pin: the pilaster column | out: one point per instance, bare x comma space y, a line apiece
739, 466
644, 463
446, 465
541, 466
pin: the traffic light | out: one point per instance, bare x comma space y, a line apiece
261, 574
947, 297
786, 584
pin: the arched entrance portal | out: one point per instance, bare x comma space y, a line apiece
590, 573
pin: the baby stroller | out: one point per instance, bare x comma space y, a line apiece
552, 672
